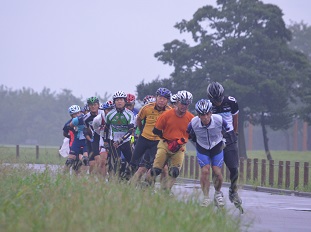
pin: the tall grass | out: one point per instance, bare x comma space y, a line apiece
46, 201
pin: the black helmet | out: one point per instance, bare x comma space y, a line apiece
92, 100
215, 92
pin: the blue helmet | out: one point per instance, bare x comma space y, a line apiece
108, 105
86, 107
203, 106
164, 92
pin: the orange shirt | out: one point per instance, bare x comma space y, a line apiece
172, 126
149, 114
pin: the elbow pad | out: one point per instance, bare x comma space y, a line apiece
157, 132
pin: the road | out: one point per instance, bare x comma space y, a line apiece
263, 211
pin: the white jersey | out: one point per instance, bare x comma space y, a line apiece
99, 123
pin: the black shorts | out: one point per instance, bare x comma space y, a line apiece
145, 151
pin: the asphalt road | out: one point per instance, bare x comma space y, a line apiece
262, 211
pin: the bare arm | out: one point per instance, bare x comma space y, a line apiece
235, 119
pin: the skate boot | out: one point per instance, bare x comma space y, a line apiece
219, 199
206, 202
85, 161
236, 200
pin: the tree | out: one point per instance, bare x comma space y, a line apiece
243, 45
302, 42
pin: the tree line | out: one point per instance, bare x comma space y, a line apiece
246, 46
243, 44
37, 118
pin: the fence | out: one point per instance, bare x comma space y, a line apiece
281, 174
264, 173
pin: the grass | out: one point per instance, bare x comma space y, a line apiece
47, 201
292, 156
27, 154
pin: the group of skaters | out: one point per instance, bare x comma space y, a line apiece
116, 139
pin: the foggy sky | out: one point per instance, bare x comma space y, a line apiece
93, 46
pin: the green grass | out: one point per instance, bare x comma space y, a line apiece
282, 155
27, 154
56, 202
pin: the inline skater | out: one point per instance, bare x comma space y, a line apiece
228, 108
171, 127
99, 127
206, 131
92, 139
78, 150
146, 146
118, 130
68, 132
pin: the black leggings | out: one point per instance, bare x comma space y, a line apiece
93, 147
125, 148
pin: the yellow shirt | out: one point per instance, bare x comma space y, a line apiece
150, 114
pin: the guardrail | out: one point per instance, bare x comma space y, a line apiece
281, 174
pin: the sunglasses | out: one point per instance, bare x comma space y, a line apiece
185, 102
217, 100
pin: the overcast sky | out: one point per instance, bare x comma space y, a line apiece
96, 45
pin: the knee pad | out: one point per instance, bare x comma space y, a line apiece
155, 171
174, 172
85, 161
69, 162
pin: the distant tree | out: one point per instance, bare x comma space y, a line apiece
243, 45
30, 117
302, 42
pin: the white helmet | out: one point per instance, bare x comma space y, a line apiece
119, 94
184, 97
174, 98
74, 109
203, 106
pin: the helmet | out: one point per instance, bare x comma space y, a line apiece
119, 94
203, 106
92, 100
101, 106
149, 99
74, 109
184, 97
86, 108
130, 98
164, 92
174, 98
215, 92
108, 105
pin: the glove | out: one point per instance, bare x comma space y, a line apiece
106, 145
173, 146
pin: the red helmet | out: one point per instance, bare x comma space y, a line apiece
130, 98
